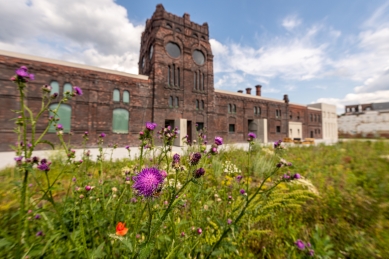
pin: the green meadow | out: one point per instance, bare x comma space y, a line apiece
339, 208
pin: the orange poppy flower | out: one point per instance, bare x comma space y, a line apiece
121, 229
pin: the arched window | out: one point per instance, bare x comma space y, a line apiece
64, 114
255, 110
229, 108
168, 75
54, 87
67, 87
126, 97
203, 83
178, 76
116, 95
234, 108
197, 104
174, 75
259, 110
177, 103
120, 121
171, 101
195, 80
202, 105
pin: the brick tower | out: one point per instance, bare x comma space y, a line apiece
176, 55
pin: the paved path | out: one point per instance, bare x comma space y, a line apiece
7, 158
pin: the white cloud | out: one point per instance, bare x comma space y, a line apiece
295, 58
291, 22
98, 34
232, 79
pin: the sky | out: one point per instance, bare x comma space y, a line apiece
330, 51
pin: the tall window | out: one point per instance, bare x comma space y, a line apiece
64, 114
255, 110
259, 110
177, 103
171, 101
168, 75
67, 87
195, 80
229, 108
174, 75
231, 128
126, 97
203, 83
178, 76
120, 121
311, 117
278, 129
116, 95
197, 104
202, 105
54, 87
234, 108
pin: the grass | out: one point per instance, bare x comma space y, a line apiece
342, 208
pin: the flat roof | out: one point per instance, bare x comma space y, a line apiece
70, 64
253, 96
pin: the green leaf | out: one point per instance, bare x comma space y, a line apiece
46, 142
98, 252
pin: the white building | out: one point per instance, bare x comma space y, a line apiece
329, 121
365, 119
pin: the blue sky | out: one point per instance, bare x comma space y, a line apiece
314, 51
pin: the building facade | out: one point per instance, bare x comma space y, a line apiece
175, 87
366, 120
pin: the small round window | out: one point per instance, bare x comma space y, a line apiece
151, 51
173, 49
198, 57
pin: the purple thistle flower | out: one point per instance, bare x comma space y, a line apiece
182, 234
39, 234
54, 95
239, 178
311, 252
44, 161
176, 158
148, 181
296, 176
127, 147
77, 90
252, 135
22, 71
286, 177
151, 125
37, 216
199, 172
199, 231
218, 141
88, 188
18, 158
59, 127
102, 135
43, 167
195, 158
133, 200
242, 191
229, 221
300, 244
35, 159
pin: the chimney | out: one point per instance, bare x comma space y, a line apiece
258, 89
248, 90
240, 91
286, 98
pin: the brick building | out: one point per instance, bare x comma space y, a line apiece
175, 86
